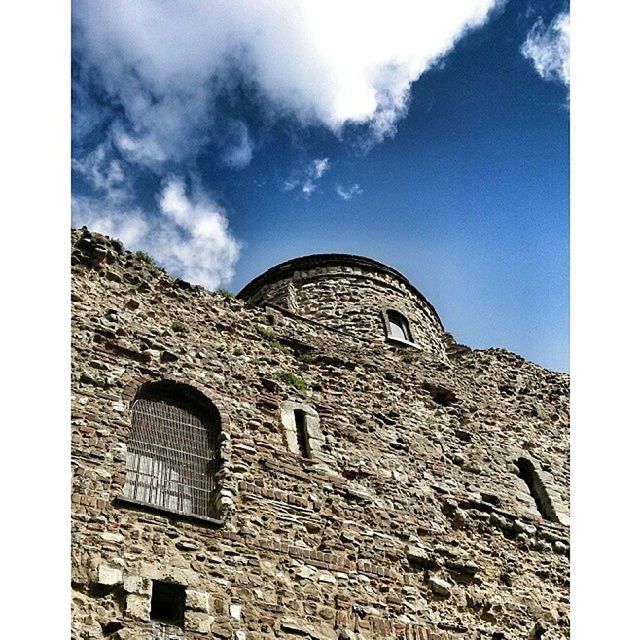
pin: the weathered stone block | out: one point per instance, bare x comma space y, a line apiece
220, 632
197, 600
197, 621
138, 607
417, 555
440, 587
137, 584
109, 576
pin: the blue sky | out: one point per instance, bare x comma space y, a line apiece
223, 140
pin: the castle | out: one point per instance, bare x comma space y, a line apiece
315, 458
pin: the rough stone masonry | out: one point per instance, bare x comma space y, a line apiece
316, 458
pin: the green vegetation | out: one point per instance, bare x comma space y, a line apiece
179, 327
145, 257
293, 380
226, 293
267, 333
270, 336
304, 356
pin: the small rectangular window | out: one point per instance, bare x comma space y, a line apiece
301, 431
528, 473
168, 603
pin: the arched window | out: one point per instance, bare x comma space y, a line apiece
171, 455
397, 326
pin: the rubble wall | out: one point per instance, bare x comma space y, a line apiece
348, 294
409, 521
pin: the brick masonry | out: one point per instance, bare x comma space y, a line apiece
409, 518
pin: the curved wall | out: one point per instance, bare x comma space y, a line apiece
350, 294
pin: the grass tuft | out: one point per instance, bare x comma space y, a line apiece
145, 257
293, 380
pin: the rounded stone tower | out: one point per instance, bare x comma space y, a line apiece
352, 294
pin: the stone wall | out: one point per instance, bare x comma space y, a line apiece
408, 520
350, 295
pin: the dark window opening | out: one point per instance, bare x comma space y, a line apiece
301, 432
168, 603
528, 473
171, 454
398, 326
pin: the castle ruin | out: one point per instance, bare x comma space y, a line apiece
314, 459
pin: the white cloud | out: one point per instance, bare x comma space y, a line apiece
237, 145
318, 168
188, 236
194, 238
308, 179
125, 223
308, 187
346, 193
103, 172
167, 64
548, 48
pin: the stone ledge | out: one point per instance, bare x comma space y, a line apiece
138, 504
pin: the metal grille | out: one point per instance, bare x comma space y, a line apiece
171, 455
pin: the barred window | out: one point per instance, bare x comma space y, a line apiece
171, 455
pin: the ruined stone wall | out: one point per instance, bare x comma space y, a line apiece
351, 297
409, 520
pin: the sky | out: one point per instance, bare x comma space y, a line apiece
223, 138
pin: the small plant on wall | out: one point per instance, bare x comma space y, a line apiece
294, 380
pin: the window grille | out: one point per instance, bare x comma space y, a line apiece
171, 455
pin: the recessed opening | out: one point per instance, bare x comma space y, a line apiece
398, 326
172, 453
167, 603
110, 628
301, 432
528, 473
441, 395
